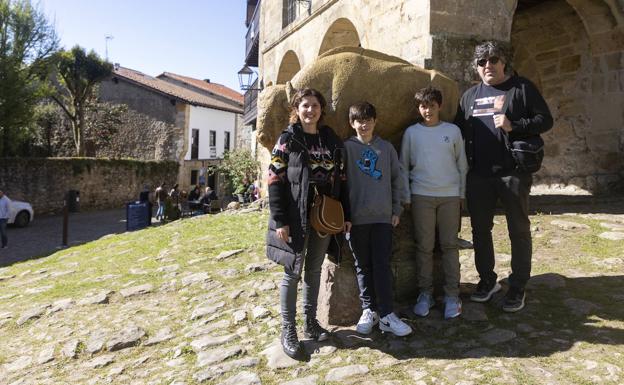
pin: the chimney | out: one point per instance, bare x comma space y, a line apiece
207, 80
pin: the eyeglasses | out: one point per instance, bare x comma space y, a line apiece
483, 62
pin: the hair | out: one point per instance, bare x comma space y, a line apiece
428, 95
362, 111
296, 100
175, 186
491, 48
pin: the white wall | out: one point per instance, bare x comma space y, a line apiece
206, 119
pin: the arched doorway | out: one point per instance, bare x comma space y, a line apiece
288, 67
555, 49
341, 32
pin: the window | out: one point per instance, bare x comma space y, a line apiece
195, 144
226, 141
194, 174
213, 138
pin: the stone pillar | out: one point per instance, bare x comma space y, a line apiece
339, 301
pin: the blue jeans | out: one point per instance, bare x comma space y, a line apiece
3, 231
160, 213
315, 249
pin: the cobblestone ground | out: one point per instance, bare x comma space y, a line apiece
195, 301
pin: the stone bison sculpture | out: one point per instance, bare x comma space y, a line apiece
346, 75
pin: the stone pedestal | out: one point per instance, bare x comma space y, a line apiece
339, 301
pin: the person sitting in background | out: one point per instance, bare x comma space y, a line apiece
194, 194
205, 200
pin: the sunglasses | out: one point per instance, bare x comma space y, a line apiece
483, 62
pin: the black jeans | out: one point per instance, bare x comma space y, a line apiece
371, 245
513, 190
3, 231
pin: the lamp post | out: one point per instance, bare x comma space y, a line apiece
246, 79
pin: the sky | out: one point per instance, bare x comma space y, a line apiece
197, 38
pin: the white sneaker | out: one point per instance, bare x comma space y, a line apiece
391, 323
368, 319
424, 302
452, 307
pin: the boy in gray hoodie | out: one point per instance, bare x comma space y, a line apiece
377, 188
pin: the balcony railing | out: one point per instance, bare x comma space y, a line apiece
251, 101
253, 39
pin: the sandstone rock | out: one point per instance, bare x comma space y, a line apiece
235, 294
613, 226
70, 349
218, 370
61, 304
266, 286
100, 362
549, 280
33, 313
203, 310
20, 363
36, 290
233, 206
169, 268
261, 266
339, 374
260, 312
338, 301
208, 341
96, 341
580, 306
46, 354
243, 378
239, 316
309, 380
497, 336
99, 298
568, 225
195, 278
127, 337
162, 335
213, 356
6, 277
276, 358
474, 312
227, 254
136, 290
612, 236
198, 331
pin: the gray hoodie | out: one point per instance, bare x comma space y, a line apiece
376, 181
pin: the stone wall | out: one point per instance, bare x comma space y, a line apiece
572, 49
102, 183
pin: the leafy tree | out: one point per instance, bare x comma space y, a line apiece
237, 165
27, 42
75, 77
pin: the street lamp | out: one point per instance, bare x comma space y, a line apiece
246, 79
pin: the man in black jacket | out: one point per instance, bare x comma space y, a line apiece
502, 108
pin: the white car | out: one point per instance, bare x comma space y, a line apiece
20, 213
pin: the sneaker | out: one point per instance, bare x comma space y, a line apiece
464, 244
290, 342
452, 307
484, 291
312, 329
391, 323
368, 319
514, 300
424, 302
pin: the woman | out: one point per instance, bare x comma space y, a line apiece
304, 160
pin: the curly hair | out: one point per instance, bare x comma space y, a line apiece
296, 100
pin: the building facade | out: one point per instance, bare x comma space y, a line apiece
172, 117
573, 50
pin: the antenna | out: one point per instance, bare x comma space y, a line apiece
106, 39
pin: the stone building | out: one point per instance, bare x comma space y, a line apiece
174, 117
573, 50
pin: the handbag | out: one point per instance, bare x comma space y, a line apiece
326, 215
527, 153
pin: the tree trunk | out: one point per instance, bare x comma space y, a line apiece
78, 130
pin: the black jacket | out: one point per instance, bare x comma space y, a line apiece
289, 204
524, 106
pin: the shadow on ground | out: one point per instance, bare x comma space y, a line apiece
560, 313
